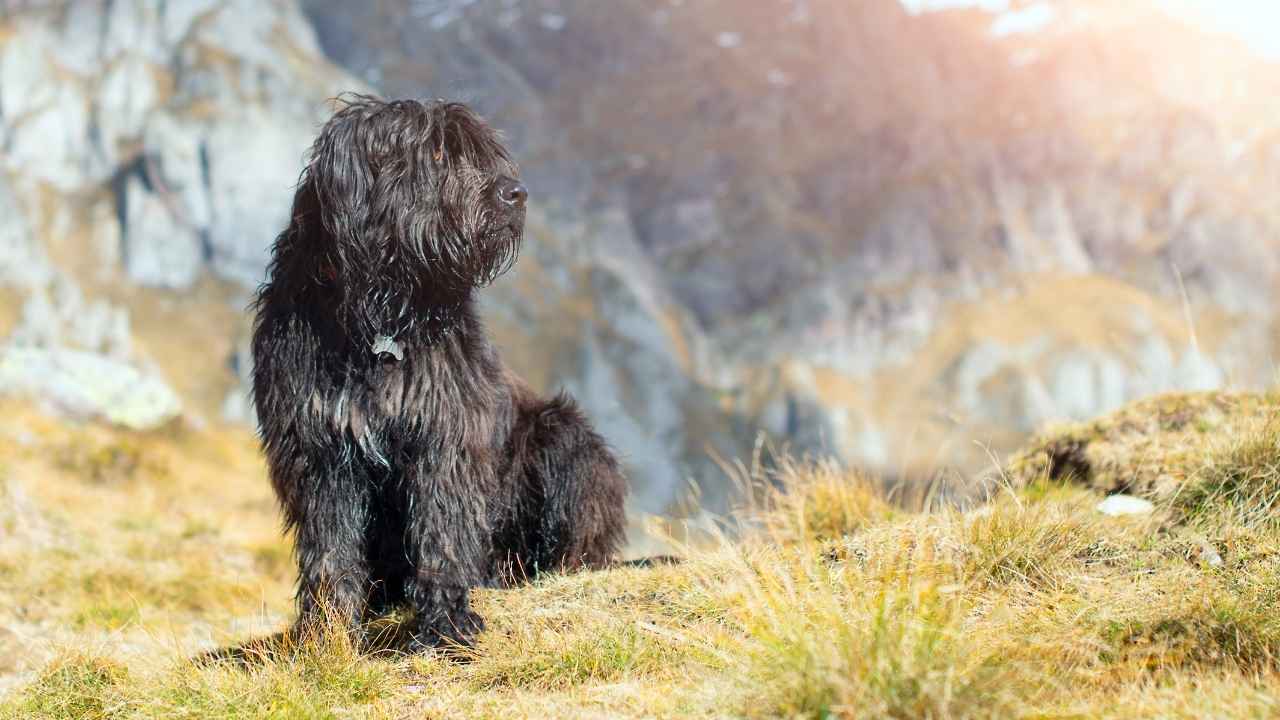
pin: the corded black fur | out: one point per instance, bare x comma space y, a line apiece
411, 464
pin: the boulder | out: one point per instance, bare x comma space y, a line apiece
87, 385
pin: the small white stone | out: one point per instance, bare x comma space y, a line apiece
1117, 505
1209, 555
729, 39
778, 78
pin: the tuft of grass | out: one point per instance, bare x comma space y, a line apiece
598, 628
74, 687
821, 642
1240, 483
555, 663
1149, 448
1040, 544
1212, 457
321, 677
1201, 631
108, 616
121, 460
817, 502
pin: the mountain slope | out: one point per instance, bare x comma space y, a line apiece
836, 603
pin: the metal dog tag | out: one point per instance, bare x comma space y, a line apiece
384, 345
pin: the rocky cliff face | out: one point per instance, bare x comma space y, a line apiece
148, 149
894, 238
897, 235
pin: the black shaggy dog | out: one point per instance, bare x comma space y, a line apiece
412, 465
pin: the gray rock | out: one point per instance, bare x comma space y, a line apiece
254, 162
1209, 555
27, 79
23, 262
87, 385
126, 95
57, 316
1086, 384
1154, 366
1196, 371
180, 15
82, 92
131, 26
237, 408
106, 239
177, 150
51, 143
79, 44
159, 251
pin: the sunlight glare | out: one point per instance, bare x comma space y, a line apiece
1256, 22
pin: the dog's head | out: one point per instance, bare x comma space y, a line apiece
410, 193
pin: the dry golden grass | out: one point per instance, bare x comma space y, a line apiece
120, 565
1152, 447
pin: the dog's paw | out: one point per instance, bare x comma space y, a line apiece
449, 633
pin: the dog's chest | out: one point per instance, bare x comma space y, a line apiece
429, 400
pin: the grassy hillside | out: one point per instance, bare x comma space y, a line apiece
123, 556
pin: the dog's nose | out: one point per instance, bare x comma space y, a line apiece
513, 192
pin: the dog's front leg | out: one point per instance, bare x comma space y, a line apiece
448, 542
330, 519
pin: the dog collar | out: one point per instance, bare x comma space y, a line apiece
386, 345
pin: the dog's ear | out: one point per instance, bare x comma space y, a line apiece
341, 174
304, 250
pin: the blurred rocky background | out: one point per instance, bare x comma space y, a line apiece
903, 239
